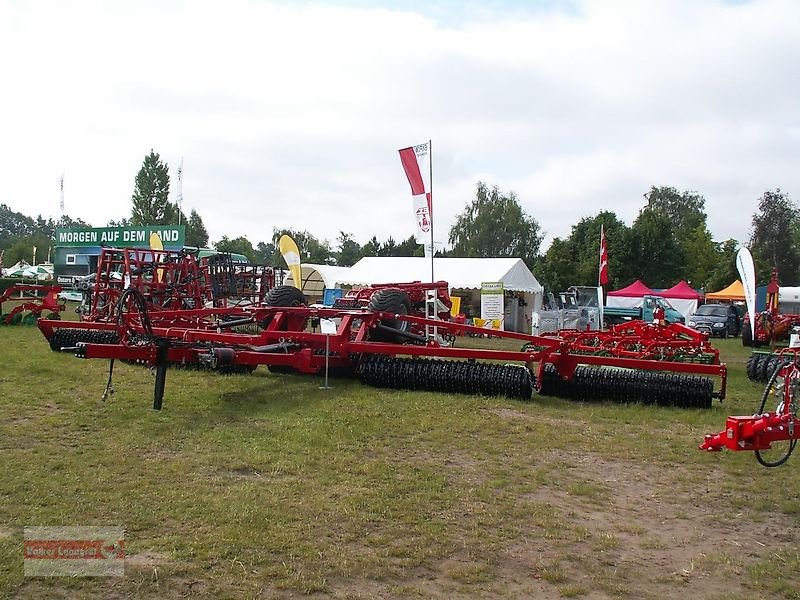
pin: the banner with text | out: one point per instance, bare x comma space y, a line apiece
172, 236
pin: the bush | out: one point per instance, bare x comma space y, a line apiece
7, 282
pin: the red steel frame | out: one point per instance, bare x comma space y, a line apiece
199, 336
416, 290
35, 304
174, 280
188, 320
758, 432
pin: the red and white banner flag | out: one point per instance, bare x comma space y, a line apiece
603, 276
416, 164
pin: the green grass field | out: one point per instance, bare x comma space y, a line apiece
266, 486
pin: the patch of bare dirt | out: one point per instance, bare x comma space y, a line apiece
8, 532
657, 534
146, 560
626, 529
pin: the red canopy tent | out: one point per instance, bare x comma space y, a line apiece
683, 291
629, 297
683, 297
635, 290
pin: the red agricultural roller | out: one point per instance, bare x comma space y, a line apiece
171, 310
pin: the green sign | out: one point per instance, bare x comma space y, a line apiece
172, 236
491, 288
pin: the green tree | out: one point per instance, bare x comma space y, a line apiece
724, 272
702, 256
21, 248
239, 245
774, 237
196, 233
67, 221
349, 250
686, 213
409, 247
150, 200
311, 249
685, 210
371, 248
388, 248
14, 224
576, 259
495, 225
557, 269
267, 254
656, 255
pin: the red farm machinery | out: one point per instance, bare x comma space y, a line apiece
772, 432
166, 308
26, 303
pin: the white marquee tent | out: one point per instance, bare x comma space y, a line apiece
464, 275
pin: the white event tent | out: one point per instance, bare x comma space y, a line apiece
464, 276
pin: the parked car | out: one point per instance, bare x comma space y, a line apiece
720, 320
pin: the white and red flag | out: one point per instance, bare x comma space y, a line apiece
603, 274
416, 164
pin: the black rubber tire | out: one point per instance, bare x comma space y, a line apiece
747, 336
786, 447
752, 363
391, 301
285, 295
761, 369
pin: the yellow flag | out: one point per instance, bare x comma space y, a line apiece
156, 244
291, 254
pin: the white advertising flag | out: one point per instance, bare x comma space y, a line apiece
416, 164
744, 264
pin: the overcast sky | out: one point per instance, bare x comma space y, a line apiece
290, 114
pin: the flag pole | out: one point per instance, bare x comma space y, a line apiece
600, 262
430, 309
430, 207
600, 280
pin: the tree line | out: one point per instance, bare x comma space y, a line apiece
668, 241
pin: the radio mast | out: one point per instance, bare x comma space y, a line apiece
180, 189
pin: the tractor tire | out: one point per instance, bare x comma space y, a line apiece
391, 301
285, 295
772, 364
752, 363
762, 373
747, 336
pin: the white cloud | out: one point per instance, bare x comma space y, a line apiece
290, 115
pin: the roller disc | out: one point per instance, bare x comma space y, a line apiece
450, 376
591, 384
68, 338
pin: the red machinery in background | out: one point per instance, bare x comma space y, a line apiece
30, 301
772, 432
770, 325
164, 309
